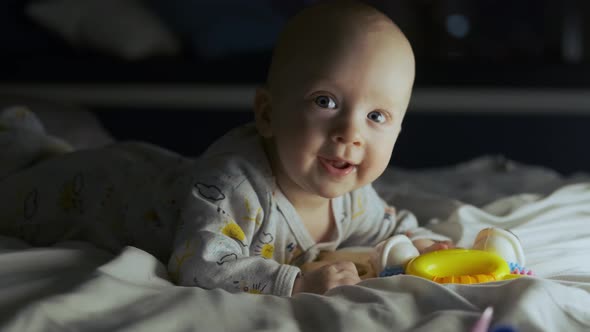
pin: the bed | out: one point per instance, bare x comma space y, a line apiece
483, 144
76, 286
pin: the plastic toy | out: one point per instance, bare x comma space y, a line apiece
496, 255
483, 323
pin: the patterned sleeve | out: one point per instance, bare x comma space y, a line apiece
374, 220
219, 224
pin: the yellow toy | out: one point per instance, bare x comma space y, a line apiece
463, 266
496, 255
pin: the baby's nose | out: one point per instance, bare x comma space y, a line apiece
349, 133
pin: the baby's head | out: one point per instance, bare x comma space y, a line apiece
337, 90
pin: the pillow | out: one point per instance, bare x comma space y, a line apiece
123, 28
76, 125
24, 141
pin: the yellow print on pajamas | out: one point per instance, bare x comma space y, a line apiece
360, 207
245, 286
70, 198
256, 218
188, 250
265, 248
151, 218
234, 231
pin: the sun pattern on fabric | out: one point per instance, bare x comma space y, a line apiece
257, 288
267, 251
360, 206
70, 196
234, 231
245, 286
265, 247
188, 251
256, 218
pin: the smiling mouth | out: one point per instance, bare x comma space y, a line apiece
337, 167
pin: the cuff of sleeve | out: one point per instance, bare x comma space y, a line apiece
285, 280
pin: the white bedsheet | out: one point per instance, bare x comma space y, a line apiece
75, 287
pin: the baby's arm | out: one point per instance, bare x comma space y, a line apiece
212, 246
212, 250
379, 221
423, 239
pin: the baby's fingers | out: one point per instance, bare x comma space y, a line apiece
342, 273
344, 267
439, 246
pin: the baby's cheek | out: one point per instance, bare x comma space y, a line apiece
370, 170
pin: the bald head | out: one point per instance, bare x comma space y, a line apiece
326, 30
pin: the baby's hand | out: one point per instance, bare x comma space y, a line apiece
439, 246
326, 277
425, 245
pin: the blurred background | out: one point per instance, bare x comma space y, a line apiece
494, 77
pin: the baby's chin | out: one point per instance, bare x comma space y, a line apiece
331, 193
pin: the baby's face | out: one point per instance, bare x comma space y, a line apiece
336, 119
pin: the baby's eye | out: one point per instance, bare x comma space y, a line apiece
325, 102
376, 116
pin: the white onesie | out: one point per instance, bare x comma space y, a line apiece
238, 231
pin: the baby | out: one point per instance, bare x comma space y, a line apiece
265, 198
270, 198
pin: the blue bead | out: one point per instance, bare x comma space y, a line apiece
503, 328
391, 271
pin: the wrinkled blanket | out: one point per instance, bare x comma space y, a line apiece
73, 286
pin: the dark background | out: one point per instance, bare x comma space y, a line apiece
461, 44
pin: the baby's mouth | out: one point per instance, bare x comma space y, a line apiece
337, 166
340, 164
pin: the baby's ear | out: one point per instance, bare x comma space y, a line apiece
262, 112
